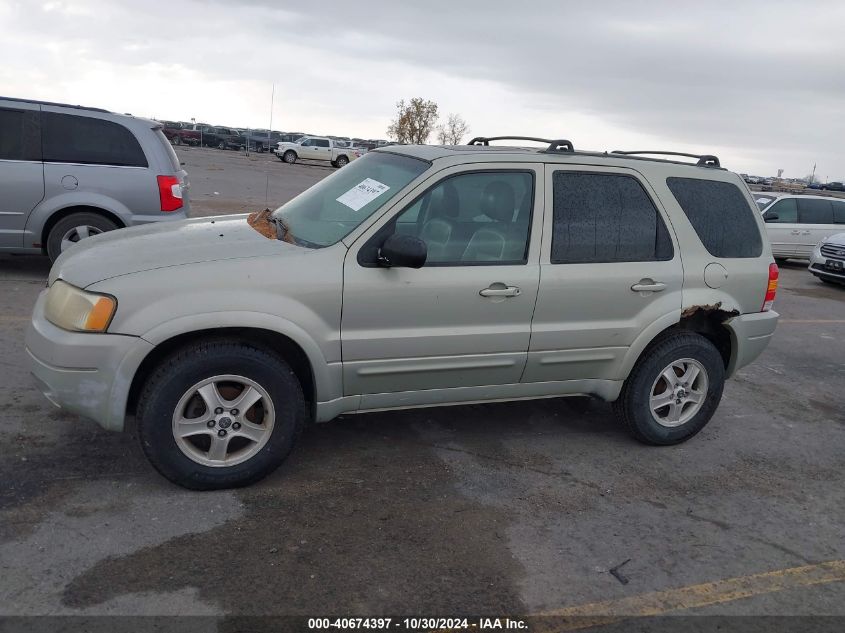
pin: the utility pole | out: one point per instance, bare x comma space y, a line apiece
813, 177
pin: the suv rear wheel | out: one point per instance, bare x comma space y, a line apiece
673, 390
73, 228
220, 415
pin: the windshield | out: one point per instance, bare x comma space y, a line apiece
330, 210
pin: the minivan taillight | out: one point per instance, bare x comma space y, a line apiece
170, 193
771, 289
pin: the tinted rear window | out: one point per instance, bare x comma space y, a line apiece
720, 215
68, 138
605, 218
20, 135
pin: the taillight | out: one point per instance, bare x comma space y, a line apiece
771, 289
170, 193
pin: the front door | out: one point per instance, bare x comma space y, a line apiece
21, 169
782, 227
308, 149
609, 268
463, 319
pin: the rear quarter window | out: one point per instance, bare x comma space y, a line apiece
67, 138
720, 215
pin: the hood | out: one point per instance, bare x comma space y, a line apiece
837, 240
161, 245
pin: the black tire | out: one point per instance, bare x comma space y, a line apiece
780, 261
178, 373
177, 140
632, 406
342, 161
221, 145
289, 157
334, 163
82, 218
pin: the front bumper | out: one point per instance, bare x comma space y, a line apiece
750, 334
86, 374
818, 268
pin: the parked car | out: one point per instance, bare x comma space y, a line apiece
178, 134
796, 224
69, 172
834, 186
814, 185
224, 343
763, 200
827, 261
316, 148
222, 137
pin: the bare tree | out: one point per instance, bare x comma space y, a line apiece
453, 131
414, 121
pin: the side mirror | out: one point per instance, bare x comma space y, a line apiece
404, 251
770, 217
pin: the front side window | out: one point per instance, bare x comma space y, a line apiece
720, 215
69, 138
20, 135
811, 211
602, 218
334, 207
477, 218
785, 210
305, 142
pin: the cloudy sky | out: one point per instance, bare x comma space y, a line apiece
761, 84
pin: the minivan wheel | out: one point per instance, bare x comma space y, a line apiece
673, 390
73, 228
220, 415
289, 157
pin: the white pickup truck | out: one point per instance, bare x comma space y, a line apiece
317, 148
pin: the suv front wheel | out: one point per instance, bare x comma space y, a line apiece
673, 390
220, 415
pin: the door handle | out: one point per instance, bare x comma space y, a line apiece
805, 233
500, 290
796, 232
647, 285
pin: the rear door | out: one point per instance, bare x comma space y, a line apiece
21, 170
322, 149
782, 227
815, 216
609, 268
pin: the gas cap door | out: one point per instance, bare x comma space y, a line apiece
715, 275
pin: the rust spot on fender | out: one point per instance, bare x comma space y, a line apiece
708, 309
260, 221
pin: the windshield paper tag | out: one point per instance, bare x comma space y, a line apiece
365, 191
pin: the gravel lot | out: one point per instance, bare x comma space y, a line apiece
519, 508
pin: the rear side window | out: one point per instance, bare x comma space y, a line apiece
812, 211
20, 135
838, 212
68, 138
720, 215
605, 218
322, 142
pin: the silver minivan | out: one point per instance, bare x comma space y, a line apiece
69, 172
796, 224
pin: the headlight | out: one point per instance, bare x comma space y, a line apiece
72, 308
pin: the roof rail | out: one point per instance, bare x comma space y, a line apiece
52, 103
705, 160
560, 145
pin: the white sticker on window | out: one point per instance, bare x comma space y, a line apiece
763, 199
365, 191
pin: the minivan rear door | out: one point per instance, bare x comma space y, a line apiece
816, 223
782, 227
21, 169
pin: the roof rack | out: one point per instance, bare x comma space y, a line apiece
559, 145
705, 160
